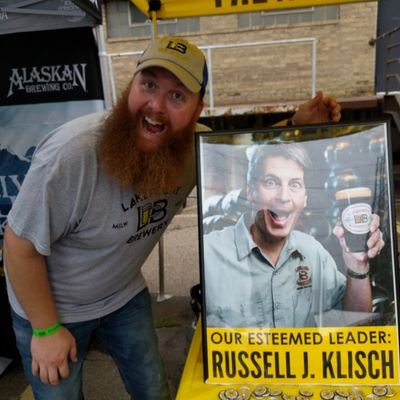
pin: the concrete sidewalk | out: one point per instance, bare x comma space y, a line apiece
173, 316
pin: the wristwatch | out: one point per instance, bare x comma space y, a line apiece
356, 275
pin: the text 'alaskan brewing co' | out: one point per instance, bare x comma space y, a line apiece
47, 78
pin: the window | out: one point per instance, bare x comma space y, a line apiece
289, 17
125, 19
136, 17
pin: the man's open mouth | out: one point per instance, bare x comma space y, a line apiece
278, 214
153, 126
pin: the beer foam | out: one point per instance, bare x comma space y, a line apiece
357, 192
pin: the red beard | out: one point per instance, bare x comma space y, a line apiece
148, 174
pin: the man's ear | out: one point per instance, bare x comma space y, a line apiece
199, 109
251, 194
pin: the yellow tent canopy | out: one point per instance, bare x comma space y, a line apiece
165, 9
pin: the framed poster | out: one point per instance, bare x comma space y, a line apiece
298, 253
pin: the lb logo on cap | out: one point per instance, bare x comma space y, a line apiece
182, 58
178, 46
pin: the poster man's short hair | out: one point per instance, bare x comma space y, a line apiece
257, 154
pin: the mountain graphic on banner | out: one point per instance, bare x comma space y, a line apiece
12, 172
11, 164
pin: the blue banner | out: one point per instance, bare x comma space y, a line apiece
45, 80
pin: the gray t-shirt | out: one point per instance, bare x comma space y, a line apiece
94, 235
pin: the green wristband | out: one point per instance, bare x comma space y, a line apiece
51, 330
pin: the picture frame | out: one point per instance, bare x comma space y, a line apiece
285, 300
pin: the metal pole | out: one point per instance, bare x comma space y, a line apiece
154, 32
112, 81
210, 80
161, 294
103, 66
314, 68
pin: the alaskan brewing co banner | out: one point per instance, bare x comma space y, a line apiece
46, 79
292, 291
49, 66
184, 8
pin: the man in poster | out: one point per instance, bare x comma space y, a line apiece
262, 272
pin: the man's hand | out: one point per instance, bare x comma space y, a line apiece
51, 354
319, 109
358, 262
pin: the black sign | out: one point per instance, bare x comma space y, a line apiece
49, 66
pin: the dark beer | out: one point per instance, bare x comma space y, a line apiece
355, 214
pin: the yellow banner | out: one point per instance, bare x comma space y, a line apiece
185, 8
339, 356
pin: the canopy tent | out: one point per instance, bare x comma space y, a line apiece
35, 15
164, 9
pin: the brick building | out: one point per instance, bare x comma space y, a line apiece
261, 59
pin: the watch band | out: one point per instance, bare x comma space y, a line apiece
356, 275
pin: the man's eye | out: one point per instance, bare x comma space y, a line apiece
296, 185
149, 85
270, 182
177, 96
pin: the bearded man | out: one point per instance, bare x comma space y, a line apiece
100, 192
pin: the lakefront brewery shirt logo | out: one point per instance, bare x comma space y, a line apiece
152, 218
151, 213
47, 78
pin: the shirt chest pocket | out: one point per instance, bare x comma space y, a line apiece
303, 307
244, 314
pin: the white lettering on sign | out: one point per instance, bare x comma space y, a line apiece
47, 78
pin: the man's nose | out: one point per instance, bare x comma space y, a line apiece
284, 193
157, 103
